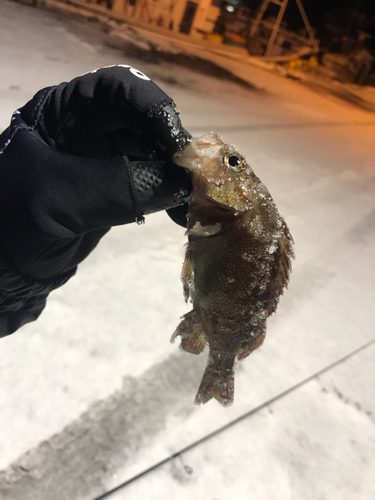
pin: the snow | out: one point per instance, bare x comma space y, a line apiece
97, 371
293, 448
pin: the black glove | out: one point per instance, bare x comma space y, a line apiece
82, 157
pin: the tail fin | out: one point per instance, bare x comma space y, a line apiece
217, 382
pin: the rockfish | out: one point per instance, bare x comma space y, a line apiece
237, 261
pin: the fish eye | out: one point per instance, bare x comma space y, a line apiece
233, 162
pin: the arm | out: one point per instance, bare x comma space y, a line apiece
76, 160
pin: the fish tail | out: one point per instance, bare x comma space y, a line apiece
217, 382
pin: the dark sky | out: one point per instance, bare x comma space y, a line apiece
346, 14
316, 10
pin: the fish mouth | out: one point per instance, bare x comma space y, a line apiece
196, 154
192, 155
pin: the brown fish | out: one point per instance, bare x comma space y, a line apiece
237, 261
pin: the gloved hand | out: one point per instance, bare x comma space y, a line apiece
82, 157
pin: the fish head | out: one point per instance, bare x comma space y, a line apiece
220, 173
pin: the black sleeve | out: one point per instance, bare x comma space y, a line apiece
22, 298
60, 191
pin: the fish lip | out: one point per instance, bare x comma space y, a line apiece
189, 151
194, 151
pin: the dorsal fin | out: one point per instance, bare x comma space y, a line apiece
282, 267
286, 243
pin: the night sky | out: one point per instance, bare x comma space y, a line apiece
348, 16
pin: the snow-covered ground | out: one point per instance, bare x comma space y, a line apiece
93, 394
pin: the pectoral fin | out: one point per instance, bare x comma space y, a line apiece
187, 274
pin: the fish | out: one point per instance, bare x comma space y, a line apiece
237, 262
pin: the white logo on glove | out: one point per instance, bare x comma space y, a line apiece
132, 70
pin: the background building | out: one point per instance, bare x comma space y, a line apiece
181, 16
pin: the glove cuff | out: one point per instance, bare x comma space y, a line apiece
25, 118
22, 298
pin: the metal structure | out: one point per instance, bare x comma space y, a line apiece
282, 4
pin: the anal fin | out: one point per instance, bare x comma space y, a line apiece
250, 345
192, 336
